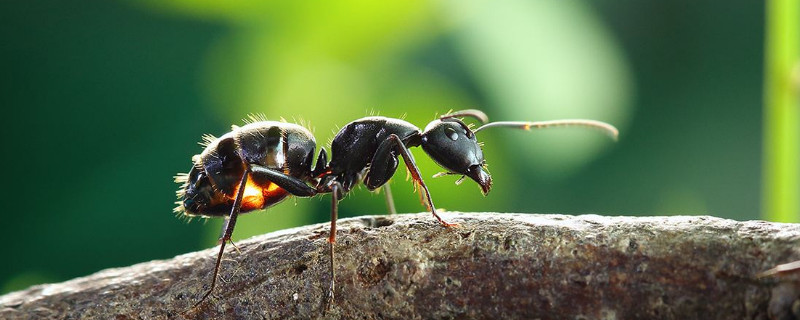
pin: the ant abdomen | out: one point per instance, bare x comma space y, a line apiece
211, 186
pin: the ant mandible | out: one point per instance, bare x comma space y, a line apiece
261, 163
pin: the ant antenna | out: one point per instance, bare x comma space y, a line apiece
473, 113
605, 127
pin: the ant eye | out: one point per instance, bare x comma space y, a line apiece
451, 133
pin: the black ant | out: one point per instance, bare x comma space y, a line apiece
258, 165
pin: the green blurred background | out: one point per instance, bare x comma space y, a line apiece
104, 101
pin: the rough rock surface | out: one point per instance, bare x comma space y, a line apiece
500, 266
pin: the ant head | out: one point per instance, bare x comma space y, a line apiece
452, 144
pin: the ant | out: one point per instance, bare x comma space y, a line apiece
261, 163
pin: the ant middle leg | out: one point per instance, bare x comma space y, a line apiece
336, 195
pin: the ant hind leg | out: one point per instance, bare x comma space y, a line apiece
226, 236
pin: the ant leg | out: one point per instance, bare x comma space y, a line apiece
412, 167
237, 205
382, 168
336, 194
387, 193
291, 184
222, 234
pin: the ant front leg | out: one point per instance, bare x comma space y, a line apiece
382, 168
385, 161
387, 193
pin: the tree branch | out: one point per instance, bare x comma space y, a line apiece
491, 266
